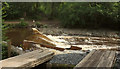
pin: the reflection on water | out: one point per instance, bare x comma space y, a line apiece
17, 35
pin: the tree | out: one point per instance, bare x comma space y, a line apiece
92, 15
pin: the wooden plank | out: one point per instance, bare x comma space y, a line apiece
40, 34
27, 44
94, 59
103, 61
38, 37
30, 59
75, 48
111, 59
100, 58
53, 47
85, 59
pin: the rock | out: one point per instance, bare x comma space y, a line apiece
70, 58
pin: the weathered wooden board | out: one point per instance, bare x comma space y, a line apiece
38, 37
96, 59
52, 47
40, 34
27, 44
30, 59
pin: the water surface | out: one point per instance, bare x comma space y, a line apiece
17, 35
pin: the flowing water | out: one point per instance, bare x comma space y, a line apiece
17, 35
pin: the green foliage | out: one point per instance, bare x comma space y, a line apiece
22, 23
33, 10
4, 38
92, 15
72, 15
39, 25
5, 52
17, 10
4, 27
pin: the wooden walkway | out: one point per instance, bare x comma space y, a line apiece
97, 59
30, 59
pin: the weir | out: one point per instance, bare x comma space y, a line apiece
45, 48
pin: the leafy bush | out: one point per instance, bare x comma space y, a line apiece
11, 25
5, 52
4, 38
72, 15
4, 27
38, 24
23, 23
92, 15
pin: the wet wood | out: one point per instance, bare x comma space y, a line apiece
27, 44
98, 58
52, 47
107, 60
35, 31
85, 59
30, 59
38, 37
75, 48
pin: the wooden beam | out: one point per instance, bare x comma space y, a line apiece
35, 31
97, 59
84, 59
53, 47
75, 48
38, 37
30, 59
